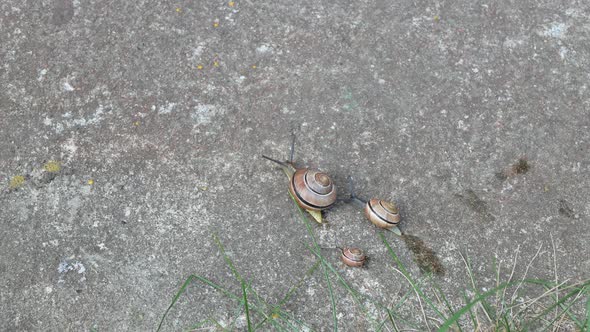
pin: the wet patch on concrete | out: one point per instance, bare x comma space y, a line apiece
476, 204
565, 209
522, 166
424, 256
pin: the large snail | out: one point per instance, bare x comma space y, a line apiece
312, 189
382, 213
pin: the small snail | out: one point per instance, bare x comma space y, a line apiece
312, 189
383, 214
353, 257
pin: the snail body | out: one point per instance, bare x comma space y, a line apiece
312, 190
353, 257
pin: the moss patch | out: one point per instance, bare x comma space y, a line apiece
521, 167
52, 166
17, 181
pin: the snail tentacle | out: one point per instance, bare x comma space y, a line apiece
353, 197
282, 163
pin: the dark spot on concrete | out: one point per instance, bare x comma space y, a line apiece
521, 167
501, 176
425, 257
565, 209
476, 204
63, 11
47, 177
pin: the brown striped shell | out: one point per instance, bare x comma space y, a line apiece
383, 214
312, 189
353, 257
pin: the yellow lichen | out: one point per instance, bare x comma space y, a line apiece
17, 181
215, 24
178, 10
91, 182
199, 67
52, 166
254, 67
231, 3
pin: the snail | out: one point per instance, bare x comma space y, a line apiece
313, 190
353, 257
383, 214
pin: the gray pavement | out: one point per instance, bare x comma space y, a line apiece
131, 132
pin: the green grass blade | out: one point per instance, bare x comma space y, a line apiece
490, 313
447, 324
471, 315
207, 282
237, 275
399, 304
332, 300
568, 313
326, 275
357, 297
228, 261
587, 324
408, 293
506, 323
299, 283
174, 299
316, 251
405, 272
576, 291
390, 316
564, 311
240, 299
245, 297
446, 302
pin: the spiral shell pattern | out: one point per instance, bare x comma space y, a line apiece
312, 189
383, 214
353, 257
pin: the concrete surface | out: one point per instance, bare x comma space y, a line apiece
130, 132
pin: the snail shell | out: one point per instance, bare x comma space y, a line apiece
353, 257
312, 189
383, 214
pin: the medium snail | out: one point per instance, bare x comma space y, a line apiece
353, 257
382, 213
312, 189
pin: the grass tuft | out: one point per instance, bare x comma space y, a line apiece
558, 304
